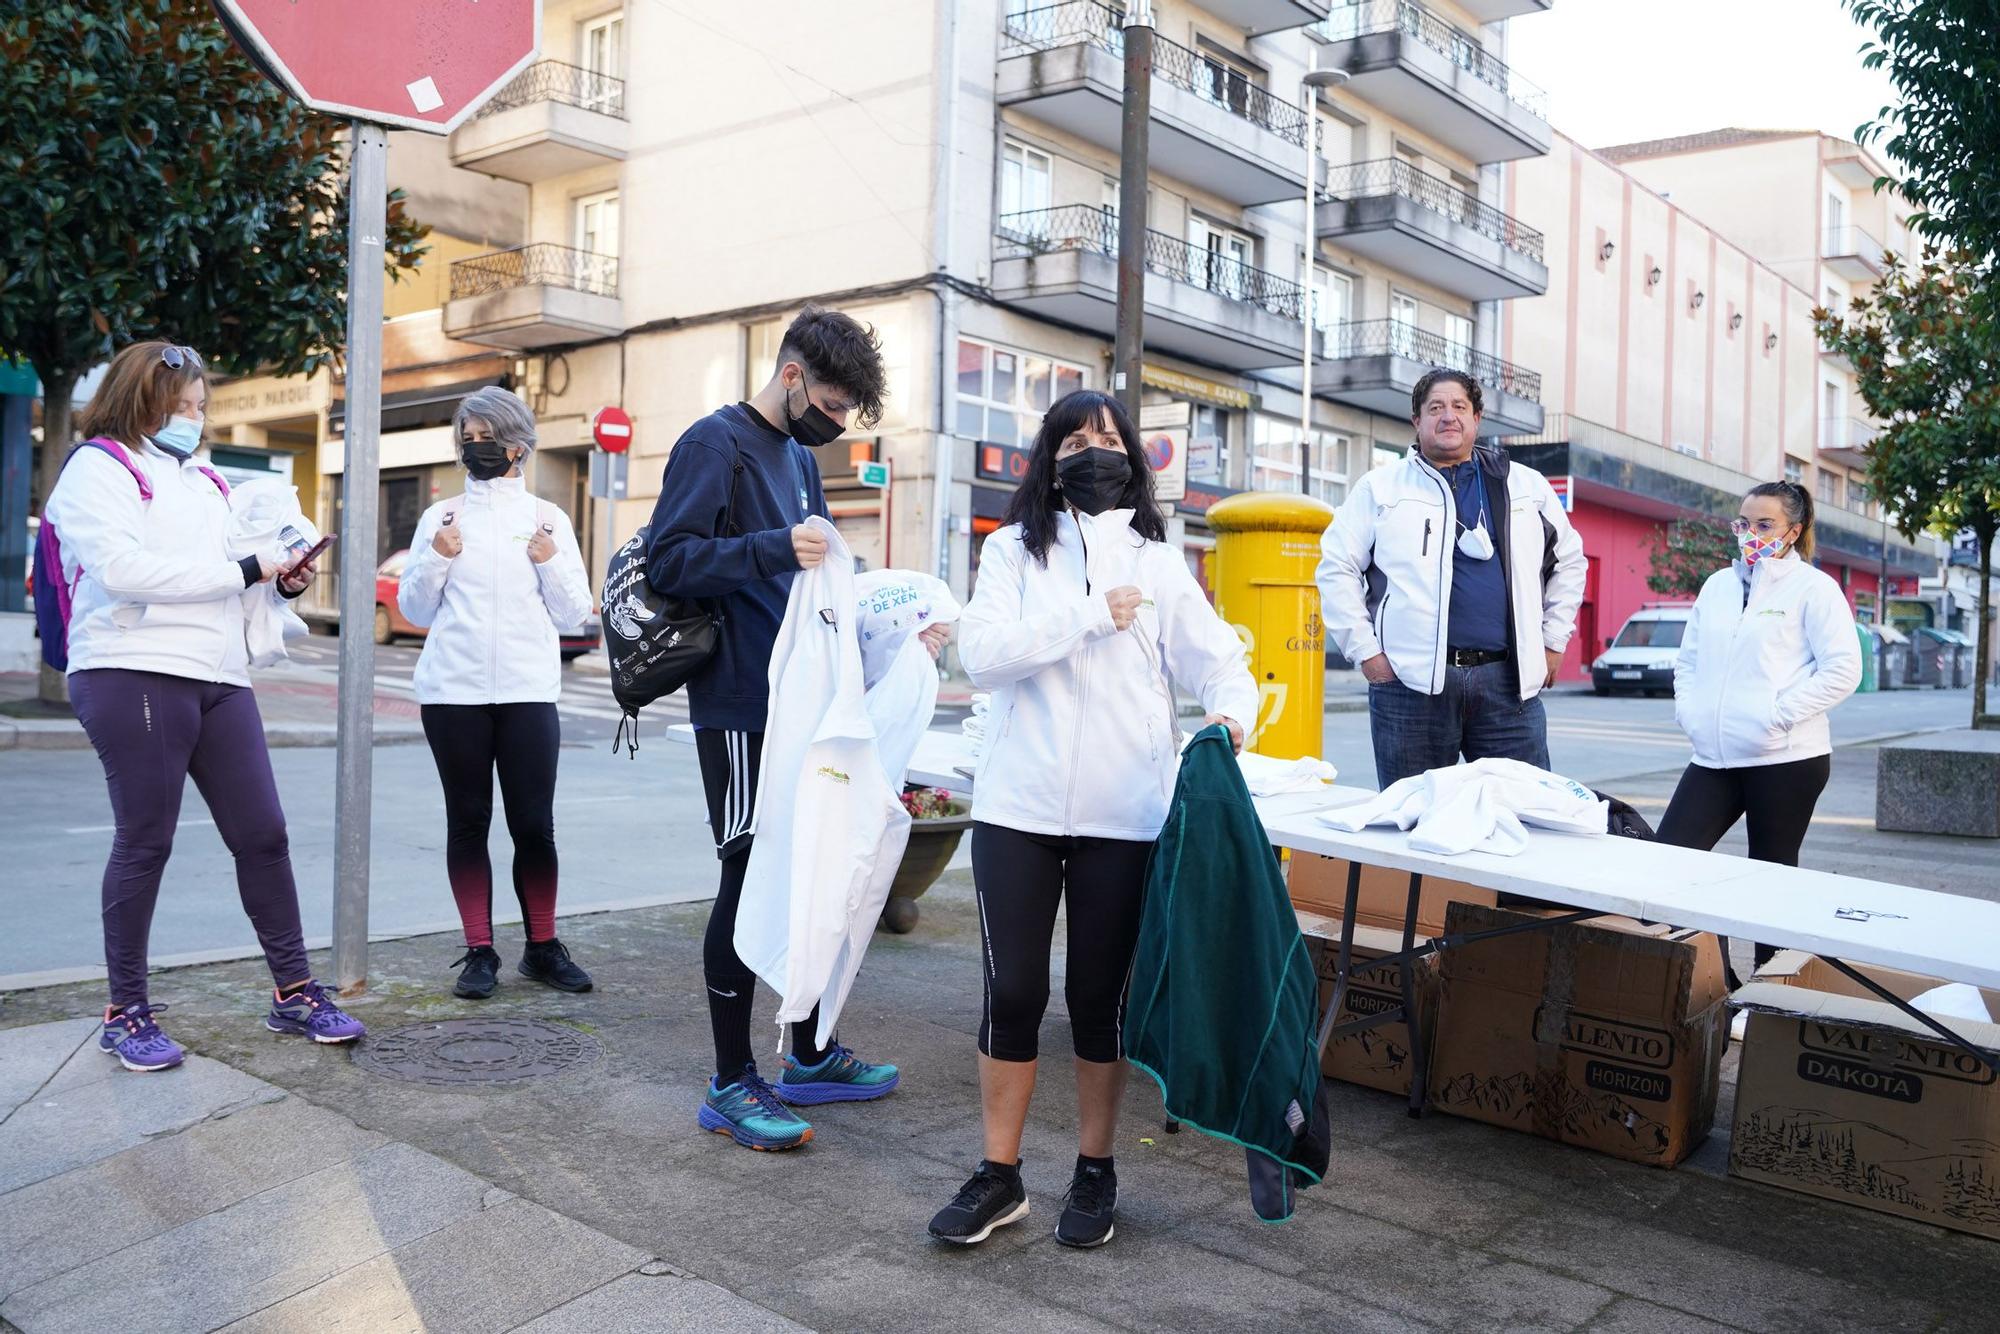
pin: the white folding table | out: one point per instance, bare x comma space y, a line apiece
1841, 919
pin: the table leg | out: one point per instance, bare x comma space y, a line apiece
1419, 1058
1984, 1058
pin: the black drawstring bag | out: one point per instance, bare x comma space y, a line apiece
655, 643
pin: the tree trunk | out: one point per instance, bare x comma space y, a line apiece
57, 386
1982, 654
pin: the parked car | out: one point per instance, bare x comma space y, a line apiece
1642, 657
391, 625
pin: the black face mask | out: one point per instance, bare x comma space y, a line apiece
1094, 480
811, 427
485, 460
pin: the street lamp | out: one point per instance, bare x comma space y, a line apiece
1309, 86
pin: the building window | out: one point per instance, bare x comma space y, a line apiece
1829, 487
1403, 323
597, 224
1002, 394
1458, 341
1795, 471
1025, 174
1275, 464
601, 52
1858, 498
760, 357
1208, 443
1221, 259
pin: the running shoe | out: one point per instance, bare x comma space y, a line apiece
310, 1012
749, 1112
479, 972
1088, 1207
841, 1077
548, 962
993, 1198
135, 1039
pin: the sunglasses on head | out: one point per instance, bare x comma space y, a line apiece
178, 358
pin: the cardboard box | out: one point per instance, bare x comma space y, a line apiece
1319, 884
1377, 1058
1843, 1096
1608, 1035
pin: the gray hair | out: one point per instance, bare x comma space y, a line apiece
504, 414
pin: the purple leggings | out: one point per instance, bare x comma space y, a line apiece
152, 732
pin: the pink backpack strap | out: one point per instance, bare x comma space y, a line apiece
216, 477
117, 451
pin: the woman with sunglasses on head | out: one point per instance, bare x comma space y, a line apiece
1082, 623
159, 674
496, 576
1770, 648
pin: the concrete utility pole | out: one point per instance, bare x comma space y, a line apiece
354, 780
1314, 80
1133, 176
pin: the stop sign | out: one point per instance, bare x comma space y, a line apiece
408, 64
611, 428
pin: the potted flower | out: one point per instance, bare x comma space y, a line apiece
937, 823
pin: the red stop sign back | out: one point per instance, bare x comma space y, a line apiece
410, 64
611, 428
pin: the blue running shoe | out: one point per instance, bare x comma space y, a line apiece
841, 1077
749, 1112
131, 1035
310, 1012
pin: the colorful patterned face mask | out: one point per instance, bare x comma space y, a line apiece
1756, 548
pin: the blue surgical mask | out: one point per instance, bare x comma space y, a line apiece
181, 436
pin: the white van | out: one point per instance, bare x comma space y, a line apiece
1642, 657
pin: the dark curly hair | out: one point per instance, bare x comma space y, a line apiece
1439, 375
840, 351
1036, 503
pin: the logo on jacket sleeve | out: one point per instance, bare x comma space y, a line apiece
828, 771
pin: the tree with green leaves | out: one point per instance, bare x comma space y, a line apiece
1685, 553
1944, 61
155, 185
1927, 362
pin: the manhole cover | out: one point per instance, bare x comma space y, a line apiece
477, 1051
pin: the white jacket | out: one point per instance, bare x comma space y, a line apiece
1385, 570
1479, 807
154, 589
830, 824
494, 614
1753, 683
1082, 736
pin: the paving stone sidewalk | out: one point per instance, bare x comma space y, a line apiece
273, 1185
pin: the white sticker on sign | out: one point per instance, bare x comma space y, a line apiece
424, 93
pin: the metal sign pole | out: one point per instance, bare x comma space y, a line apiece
1133, 178
367, 193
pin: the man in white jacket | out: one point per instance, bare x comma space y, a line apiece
1452, 578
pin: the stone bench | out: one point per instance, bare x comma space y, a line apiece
1940, 783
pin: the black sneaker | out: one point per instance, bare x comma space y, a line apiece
1087, 1209
479, 972
548, 961
993, 1198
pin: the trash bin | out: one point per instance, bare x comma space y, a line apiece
1266, 552
1892, 650
1868, 650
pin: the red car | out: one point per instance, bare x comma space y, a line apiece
391, 624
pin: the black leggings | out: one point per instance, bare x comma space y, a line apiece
469, 742
1776, 799
1020, 879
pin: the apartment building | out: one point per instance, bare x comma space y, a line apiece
635, 219
1680, 367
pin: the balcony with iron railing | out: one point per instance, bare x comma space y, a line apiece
1063, 64
1255, 17
1437, 77
1423, 225
552, 119
1375, 364
1853, 253
1062, 263
534, 296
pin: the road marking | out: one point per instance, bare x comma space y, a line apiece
112, 828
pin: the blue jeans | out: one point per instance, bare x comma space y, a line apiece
1480, 715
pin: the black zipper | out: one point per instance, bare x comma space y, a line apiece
1086, 556
1427, 537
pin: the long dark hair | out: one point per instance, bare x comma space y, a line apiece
1037, 503
1798, 505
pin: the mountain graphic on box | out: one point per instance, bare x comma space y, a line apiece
1559, 1107
1503, 1095
1856, 1157
1380, 1054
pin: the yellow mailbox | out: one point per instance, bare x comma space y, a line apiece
1266, 549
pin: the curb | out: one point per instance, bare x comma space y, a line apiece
294, 736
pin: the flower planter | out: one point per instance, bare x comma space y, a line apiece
932, 844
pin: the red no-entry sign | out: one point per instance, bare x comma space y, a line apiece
611, 428
409, 64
